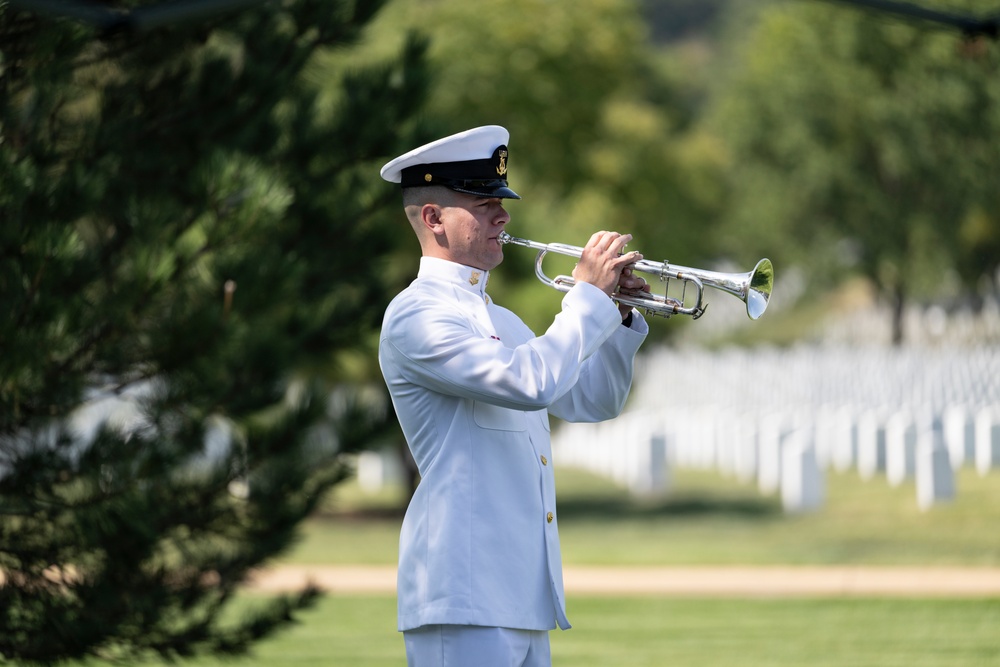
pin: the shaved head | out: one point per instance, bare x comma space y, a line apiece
414, 199
430, 194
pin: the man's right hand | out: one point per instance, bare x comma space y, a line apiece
602, 263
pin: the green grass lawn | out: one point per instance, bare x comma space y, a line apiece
704, 520
708, 520
815, 633
359, 631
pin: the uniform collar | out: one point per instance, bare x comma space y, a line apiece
468, 278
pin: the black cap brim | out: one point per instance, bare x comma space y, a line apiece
485, 177
500, 191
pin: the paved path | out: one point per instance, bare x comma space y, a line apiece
836, 581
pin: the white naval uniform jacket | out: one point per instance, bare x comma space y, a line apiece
473, 387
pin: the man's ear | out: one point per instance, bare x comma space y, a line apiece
430, 216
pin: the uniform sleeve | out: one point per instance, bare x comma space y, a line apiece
430, 342
605, 380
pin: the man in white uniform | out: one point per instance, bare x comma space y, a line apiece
480, 573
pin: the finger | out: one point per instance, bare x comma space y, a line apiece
641, 286
610, 242
619, 242
595, 239
632, 283
626, 261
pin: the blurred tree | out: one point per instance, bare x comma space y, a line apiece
596, 137
672, 20
865, 142
186, 273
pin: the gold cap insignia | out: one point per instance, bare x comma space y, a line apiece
502, 166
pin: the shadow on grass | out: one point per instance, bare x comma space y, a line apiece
581, 496
361, 514
606, 506
680, 506
597, 508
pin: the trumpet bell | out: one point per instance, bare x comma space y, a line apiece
759, 287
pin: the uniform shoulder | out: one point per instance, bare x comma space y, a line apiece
421, 290
421, 295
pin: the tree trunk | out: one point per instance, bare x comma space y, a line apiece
898, 306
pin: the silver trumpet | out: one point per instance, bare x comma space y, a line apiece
752, 287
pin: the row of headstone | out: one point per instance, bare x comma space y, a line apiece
869, 321
924, 325
781, 418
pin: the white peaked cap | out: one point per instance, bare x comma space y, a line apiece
473, 161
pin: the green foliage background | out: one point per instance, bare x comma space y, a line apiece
595, 136
191, 222
835, 140
864, 144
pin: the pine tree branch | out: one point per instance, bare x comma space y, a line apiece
970, 26
109, 21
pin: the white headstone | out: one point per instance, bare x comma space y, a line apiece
769, 437
376, 469
844, 440
649, 470
802, 486
871, 444
959, 435
987, 440
935, 477
900, 448
745, 455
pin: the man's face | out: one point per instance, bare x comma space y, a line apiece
472, 225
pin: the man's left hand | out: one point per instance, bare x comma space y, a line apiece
629, 282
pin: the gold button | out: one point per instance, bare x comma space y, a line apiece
549, 517
545, 461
